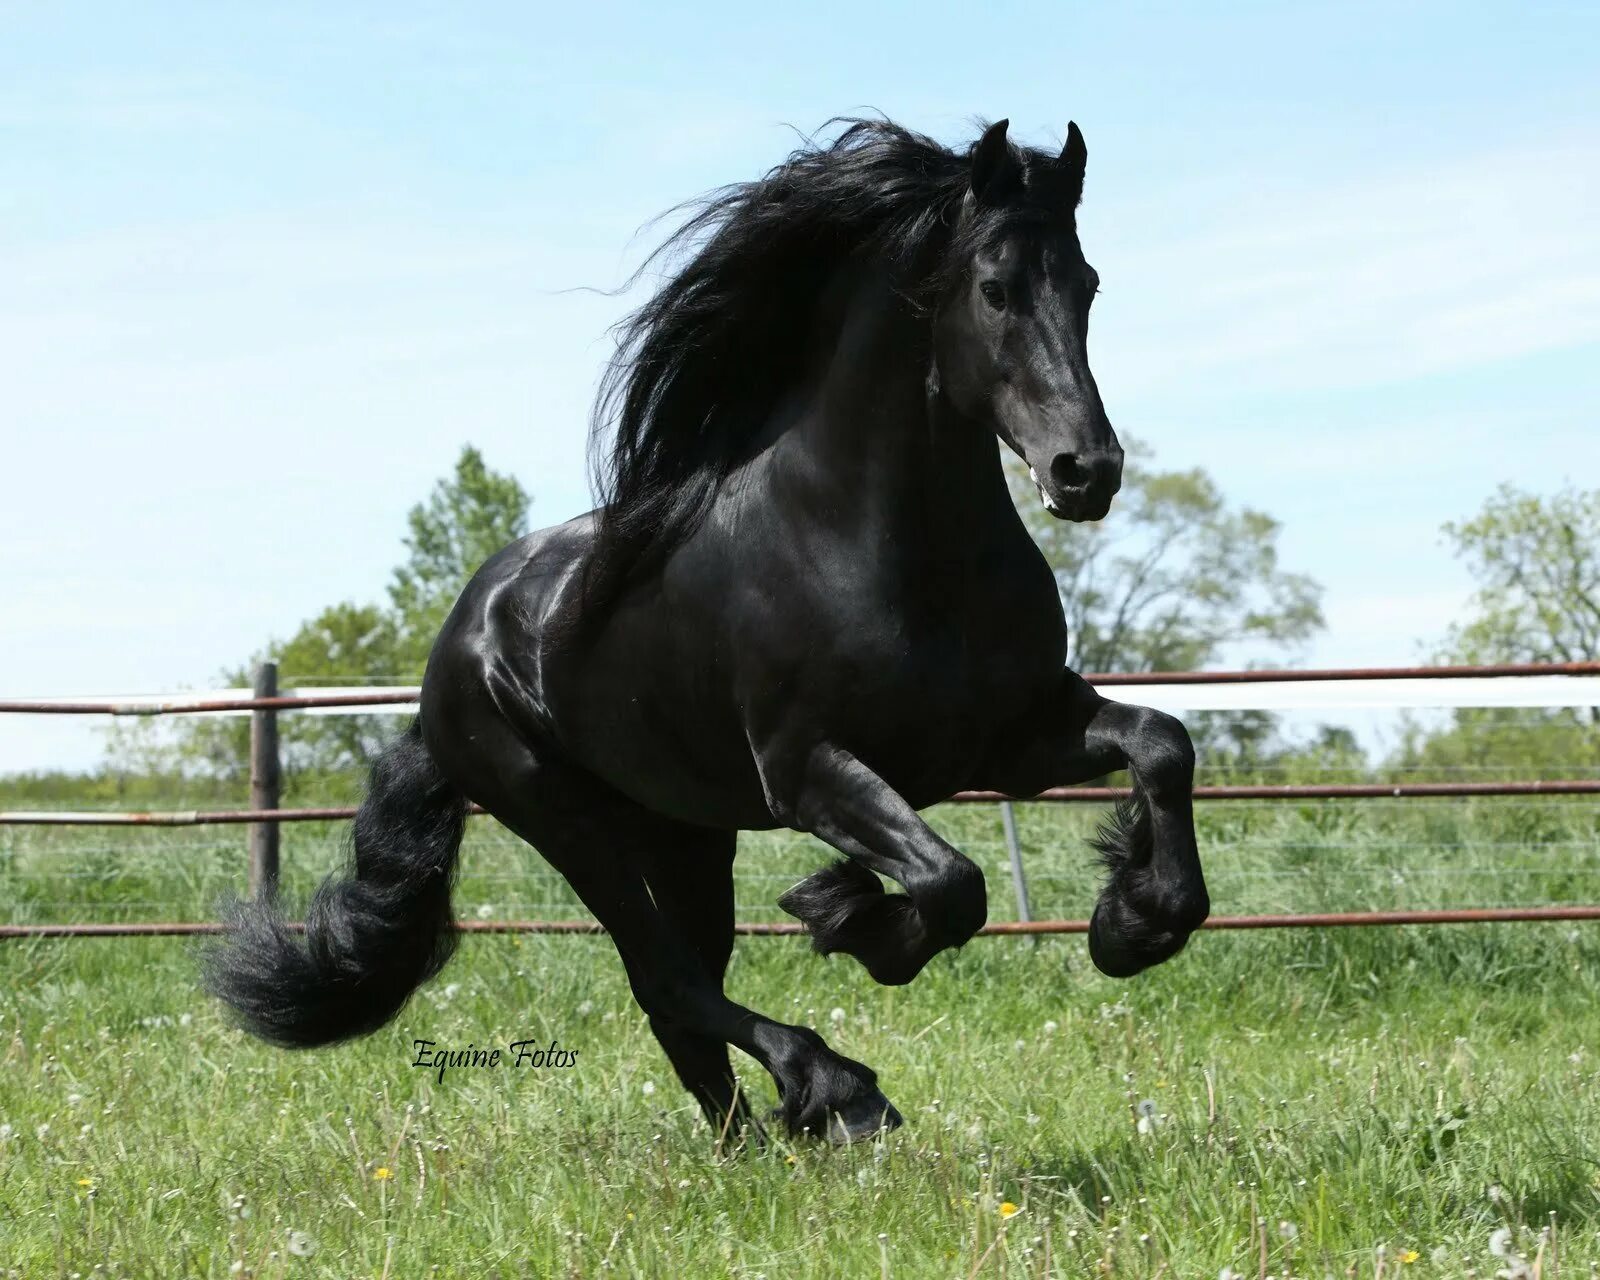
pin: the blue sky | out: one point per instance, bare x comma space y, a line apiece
264, 269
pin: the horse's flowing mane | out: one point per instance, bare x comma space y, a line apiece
700, 362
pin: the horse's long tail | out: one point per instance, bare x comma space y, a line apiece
373, 936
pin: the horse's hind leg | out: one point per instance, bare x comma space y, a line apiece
611, 851
691, 881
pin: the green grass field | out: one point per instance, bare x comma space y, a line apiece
1364, 1102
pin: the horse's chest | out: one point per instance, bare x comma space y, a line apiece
933, 698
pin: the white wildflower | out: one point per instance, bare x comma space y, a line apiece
485, 911
836, 1016
301, 1245
1500, 1242
647, 1088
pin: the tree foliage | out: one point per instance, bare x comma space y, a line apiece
1177, 579
466, 519
1174, 579
1536, 560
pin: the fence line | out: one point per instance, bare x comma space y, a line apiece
1570, 683
1055, 795
1573, 684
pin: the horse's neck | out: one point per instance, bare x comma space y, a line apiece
874, 446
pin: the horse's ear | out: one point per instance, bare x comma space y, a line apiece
1074, 159
994, 165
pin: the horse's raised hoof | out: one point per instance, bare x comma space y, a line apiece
1131, 945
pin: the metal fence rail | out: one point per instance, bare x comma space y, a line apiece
1574, 684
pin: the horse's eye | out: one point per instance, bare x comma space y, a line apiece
994, 293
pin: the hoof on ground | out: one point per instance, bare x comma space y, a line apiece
859, 1120
862, 1119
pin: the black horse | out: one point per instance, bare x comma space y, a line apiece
807, 601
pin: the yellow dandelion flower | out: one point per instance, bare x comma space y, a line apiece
1009, 1210
383, 1173
630, 1217
789, 1160
86, 1182
1409, 1255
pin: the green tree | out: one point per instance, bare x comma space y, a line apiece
1177, 579
1536, 560
1537, 563
469, 516
465, 520
1174, 579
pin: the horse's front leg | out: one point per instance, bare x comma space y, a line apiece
845, 907
1155, 895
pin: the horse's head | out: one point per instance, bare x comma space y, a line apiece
1011, 333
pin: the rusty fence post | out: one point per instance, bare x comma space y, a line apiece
1008, 815
264, 780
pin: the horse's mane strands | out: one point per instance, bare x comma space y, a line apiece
697, 365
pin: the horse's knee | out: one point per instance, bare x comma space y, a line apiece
954, 902
1162, 753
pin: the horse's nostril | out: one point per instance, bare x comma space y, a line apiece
1068, 472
